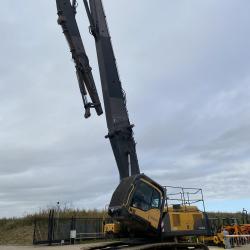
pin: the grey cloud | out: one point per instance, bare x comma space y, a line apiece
185, 68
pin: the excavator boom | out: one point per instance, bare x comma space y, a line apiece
120, 131
66, 18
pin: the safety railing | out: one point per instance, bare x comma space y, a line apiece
236, 240
184, 197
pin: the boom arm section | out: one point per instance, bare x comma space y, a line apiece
120, 131
66, 18
119, 127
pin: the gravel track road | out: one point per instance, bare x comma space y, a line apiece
81, 247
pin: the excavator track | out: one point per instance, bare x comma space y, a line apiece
170, 245
133, 245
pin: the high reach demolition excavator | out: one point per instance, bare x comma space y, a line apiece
138, 203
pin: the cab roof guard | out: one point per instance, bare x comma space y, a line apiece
184, 197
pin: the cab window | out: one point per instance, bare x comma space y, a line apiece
146, 197
156, 198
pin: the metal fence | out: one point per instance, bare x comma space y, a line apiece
66, 230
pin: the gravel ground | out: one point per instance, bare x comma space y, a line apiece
71, 247
80, 247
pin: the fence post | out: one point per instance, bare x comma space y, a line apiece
34, 232
73, 230
51, 227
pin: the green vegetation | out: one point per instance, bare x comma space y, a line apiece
19, 231
221, 215
16, 231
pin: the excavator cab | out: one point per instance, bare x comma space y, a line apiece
138, 203
147, 208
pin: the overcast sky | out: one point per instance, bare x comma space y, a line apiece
185, 66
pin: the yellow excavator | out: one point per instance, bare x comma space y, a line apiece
139, 203
162, 213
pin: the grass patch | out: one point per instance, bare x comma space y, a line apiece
19, 231
16, 231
